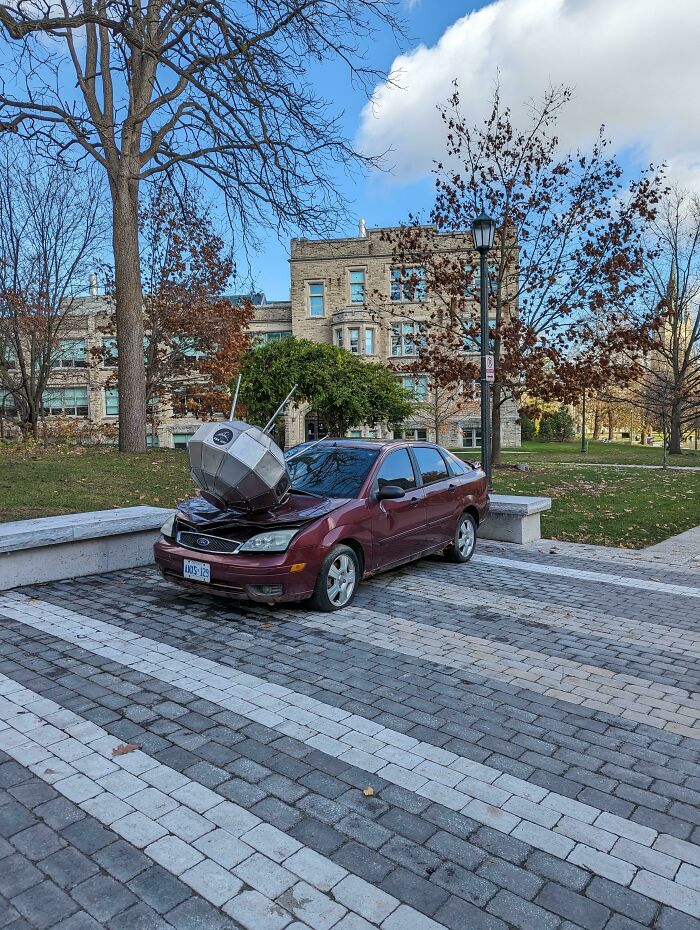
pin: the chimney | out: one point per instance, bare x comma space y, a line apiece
92, 280
362, 229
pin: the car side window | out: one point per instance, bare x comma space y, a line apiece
431, 463
455, 467
397, 469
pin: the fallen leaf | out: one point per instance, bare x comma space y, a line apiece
50, 772
266, 626
368, 791
123, 748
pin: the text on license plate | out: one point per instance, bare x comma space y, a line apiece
196, 571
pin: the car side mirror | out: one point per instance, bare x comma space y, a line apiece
390, 492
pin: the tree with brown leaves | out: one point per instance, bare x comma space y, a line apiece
194, 336
220, 89
566, 266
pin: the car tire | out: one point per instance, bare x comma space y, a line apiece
464, 544
338, 580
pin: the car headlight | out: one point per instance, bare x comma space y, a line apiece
168, 528
274, 541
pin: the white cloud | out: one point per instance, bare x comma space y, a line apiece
633, 65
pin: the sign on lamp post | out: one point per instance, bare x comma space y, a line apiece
490, 369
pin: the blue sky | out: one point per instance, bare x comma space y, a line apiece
632, 65
382, 199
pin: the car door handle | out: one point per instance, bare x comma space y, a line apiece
414, 501
452, 486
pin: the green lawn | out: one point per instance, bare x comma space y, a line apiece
40, 482
622, 453
632, 507
608, 506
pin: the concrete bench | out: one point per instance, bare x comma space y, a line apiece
513, 518
53, 548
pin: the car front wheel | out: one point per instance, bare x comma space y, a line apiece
337, 580
462, 549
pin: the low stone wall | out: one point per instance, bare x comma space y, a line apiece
54, 548
515, 519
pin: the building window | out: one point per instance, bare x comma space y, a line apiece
417, 385
408, 284
152, 442
369, 342
8, 404
67, 402
111, 402
410, 432
404, 338
357, 286
265, 338
471, 437
317, 300
71, 353
471, 341
355, 434
339, 338
354, 340
109, 348
180, 440
473, 274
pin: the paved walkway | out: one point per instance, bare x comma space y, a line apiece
587, 464
513, 743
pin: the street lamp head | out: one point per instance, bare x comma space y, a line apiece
483, 232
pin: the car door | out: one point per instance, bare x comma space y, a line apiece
442, 497
398, 526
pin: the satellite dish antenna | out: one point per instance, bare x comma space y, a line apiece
238, 466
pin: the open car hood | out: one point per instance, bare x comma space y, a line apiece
296, 509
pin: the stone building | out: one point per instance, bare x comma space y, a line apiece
330, 288
348, 292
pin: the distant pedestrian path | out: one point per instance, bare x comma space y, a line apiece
587, 464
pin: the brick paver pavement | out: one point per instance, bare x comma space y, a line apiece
529, 725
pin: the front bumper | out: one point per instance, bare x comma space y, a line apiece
244, 577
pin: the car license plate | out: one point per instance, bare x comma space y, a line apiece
196, 571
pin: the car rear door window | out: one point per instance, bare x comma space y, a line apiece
431, 463
454, 465
397, 469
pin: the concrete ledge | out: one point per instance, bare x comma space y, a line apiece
54, 548
515, 519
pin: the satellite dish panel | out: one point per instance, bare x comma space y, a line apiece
237, 466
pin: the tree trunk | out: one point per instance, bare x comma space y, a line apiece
611, 426
129, 316
597, 420
676, 431
496, 394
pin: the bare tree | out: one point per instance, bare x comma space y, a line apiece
566, 263
50, 226
220, 88
669, 386
442, 404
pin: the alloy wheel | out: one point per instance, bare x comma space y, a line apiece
466, 538
342, 579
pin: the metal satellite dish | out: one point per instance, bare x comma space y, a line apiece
238, 466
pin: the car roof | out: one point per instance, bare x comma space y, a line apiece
374, 443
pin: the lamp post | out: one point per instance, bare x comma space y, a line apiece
483, 234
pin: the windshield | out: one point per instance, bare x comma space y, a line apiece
331, 471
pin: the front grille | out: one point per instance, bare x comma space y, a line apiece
204, 543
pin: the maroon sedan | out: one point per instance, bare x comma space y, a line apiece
357, 507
